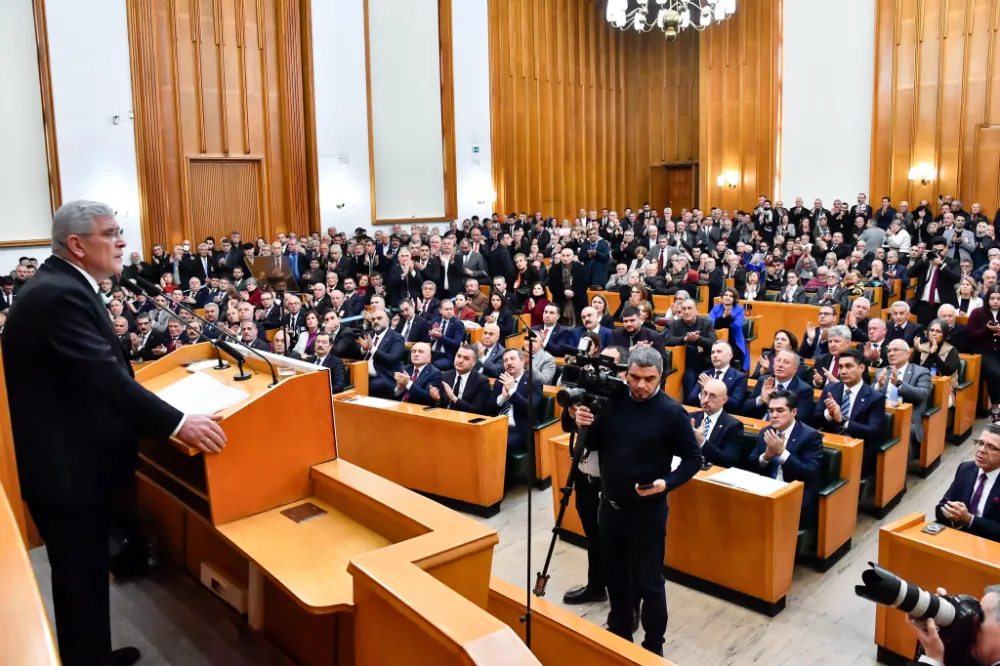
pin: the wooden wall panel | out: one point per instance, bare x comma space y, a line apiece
225, 197
936, 100
221, 80
739, 86
581, 111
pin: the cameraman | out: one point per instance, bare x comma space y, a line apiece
987, 646
637, 435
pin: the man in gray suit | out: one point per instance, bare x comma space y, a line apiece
906, 382
472, 263
661, 254
543, 364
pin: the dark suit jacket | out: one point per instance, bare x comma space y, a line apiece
908, 332
89, 451
725, 444
580, 284
389, 355
621, 338
799, 296
354, 305
840, 297
560, 340
338, 373
432, 311
806, 448
606, 335
450, 341
802, 391
961, 490
191, 267
345, 344
867, 420
475, 393
492, 364
419, 329
399, 286
521, 434
419, 391
948, 276
702, 347
736, 385
456, 276
155, 339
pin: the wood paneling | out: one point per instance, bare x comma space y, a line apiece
580, 111
740, 88
48, 109
935, 80
225, 197
222, 80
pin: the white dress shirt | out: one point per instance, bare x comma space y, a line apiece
376, 341
891, 390
854, 399
991, 478
713, 420
785, 435
503, 400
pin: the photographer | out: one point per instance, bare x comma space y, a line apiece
987, 645
637, 435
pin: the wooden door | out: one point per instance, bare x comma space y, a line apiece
673, 185
659, 188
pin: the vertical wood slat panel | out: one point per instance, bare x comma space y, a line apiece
225, 196
936, 100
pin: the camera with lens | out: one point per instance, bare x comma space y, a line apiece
958, 616
931, 256
590, 381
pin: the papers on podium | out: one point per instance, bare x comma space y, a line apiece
748, 481
198, 393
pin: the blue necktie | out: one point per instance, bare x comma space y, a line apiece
707, 424
845, 406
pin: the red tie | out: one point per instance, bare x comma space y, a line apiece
933, 280
836, 367
545, 336
413, 378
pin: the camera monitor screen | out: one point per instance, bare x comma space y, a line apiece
275, 271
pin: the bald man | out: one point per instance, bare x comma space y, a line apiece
719, 434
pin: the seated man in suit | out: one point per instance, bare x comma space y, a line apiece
510, 397
832, 293
852, 408
384, 350
735, 381
907, 382
428, 306
413, 382
876, 348
633, 333
697, 335
591, 322
447, 335
901, 326
827, 366
410, 326
248, 336
269, 315
354, 302
793, 293
719, 435
556, 339
857, 319
490, 361
324, 357
343, 338
543, 364
814, 341
958, 333
463, 389
789, 450
971, 503
783, 368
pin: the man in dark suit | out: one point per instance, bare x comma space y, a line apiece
833, 293
734, 380
826, 369
76, 470
324, 358
789, 450
936, 277
500, 260
568, 283
556, 339
851, 407
344, 339
410, 326
719, 435
270, 314
200, 266
384, 350
972, 502
510, 397
428, 305
148, 344
792, 292
402, 280
413, 382
354, 301
633, 333
249, 335
463, 389
861, 209
784, 365
697, 335
447, 335
958, 334
491, 349
591, 323
900, 326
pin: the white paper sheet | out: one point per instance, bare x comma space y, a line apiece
748, 481
369, 401
198, 366
199, 393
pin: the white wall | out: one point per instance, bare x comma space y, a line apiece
828, 80
24, 178
342, 111
91, 83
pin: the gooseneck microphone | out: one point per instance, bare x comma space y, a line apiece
152, 290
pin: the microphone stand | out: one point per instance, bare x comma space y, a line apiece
222, 365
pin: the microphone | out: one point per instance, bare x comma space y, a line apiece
153, 290
242, 376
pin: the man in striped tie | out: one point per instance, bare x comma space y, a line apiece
972, 503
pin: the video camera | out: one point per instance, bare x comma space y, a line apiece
590, 381
958, 616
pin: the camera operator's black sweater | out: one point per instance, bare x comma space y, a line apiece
637, 442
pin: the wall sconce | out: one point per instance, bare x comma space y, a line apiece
923, 172
728, 179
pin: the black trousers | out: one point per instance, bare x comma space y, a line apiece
991, 373
588, 502
76, 538
925, 312
632, 548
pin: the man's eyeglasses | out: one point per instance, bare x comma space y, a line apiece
110, 234
990, 448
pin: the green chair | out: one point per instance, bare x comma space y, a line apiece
866, 502
964, 384
547, 425
771, 296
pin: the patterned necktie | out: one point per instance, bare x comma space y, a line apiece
413, 378
978, 495
845, 406
707, 425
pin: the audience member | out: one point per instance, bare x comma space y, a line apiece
970, 503
510, 397
719, 434
462, 388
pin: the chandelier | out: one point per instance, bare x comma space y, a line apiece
670, 16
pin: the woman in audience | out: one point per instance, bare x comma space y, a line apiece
625, 292
640, 262
830, 261
526, 277
898, 239
967, 298
784, 340
167, 283
498, 313
852, 283
279, 346
806, 267
637, 294
933, 351
304, 345
754, 290
729, 314
646, 315
982, 328
732, 270
599, 303
535, 303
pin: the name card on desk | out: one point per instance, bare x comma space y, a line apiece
748, 481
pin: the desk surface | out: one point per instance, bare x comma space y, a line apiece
406, 408
308, 559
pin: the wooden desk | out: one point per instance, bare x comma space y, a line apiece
435, 451
935, 426
745, 543
660, 303
357, 376
966, 400
957, 561
890, 479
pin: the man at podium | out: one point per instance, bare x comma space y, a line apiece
77, 413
